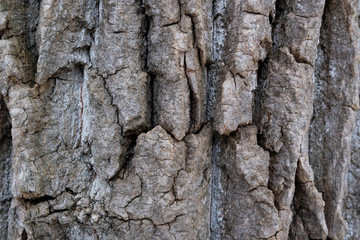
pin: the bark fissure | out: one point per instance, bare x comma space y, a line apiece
175, 119
327, 105
5, 166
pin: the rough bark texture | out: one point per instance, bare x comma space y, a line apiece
179, 119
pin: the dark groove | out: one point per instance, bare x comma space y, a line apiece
37, 200
192, 101
129, 154
5, 165
31, 21
259, 91
70, 191
24, 235
146, 25
59, 211
213, 77
152, 79
280, 12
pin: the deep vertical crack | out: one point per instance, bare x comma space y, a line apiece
130, 150
31, 23
213, 71
5, 166
192, 101
259, 91
146, 25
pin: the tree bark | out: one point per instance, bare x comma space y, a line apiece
179, 119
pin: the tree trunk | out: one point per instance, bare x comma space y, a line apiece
179, 119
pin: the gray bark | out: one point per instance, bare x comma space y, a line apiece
179, 119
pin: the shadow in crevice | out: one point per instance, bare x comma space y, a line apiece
5, 166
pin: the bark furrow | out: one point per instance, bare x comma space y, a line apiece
176, 119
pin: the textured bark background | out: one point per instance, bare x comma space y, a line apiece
179, 119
